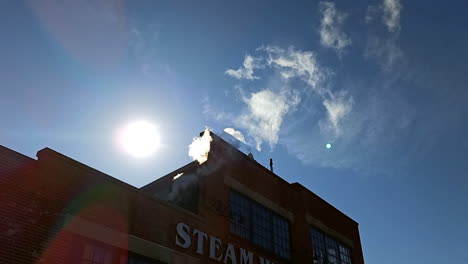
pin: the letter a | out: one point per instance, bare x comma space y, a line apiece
231, 254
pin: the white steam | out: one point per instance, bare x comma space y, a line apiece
236, 134
200, 147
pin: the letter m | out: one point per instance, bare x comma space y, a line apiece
265, 261
246, 257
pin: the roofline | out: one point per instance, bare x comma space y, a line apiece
253, 161
242, 154
16, 152
72, 162
186, 166
298, 185
55, 154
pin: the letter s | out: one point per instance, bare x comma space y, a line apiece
183, 234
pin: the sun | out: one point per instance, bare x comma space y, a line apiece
140, 139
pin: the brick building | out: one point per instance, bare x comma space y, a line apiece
230, 209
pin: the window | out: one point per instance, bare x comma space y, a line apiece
258, 224
329, 251
133, 258
94, 252
240, 215
96, 255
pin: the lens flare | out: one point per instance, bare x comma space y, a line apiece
328, 146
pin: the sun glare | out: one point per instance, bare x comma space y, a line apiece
140, 139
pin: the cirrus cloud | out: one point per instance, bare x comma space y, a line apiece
391, 14
247, 69
385, 49
294, 76
331, 34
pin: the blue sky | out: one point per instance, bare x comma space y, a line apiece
383, 81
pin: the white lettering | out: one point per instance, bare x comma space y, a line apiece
215, 244
231, 254
183, 233
265, 261
246, 257
200, 237
184, 240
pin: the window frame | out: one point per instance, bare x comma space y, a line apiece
264, 228
116, 255
323, 242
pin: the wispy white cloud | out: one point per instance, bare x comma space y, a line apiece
331, 34
391, 14
296, 63
247, 69
372, 12
236, 134
385, 48
294, 80
266, 109
142, 45
264, 116
337, 108
208, 111
381, 124
386, 51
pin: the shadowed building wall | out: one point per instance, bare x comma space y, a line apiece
229, 209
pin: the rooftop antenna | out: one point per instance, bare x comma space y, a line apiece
271, 164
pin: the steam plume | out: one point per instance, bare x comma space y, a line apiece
200, 147
236, 134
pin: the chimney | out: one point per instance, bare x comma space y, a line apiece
271, 164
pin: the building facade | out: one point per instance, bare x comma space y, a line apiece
229, 209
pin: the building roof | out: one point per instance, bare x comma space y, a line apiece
219, 146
